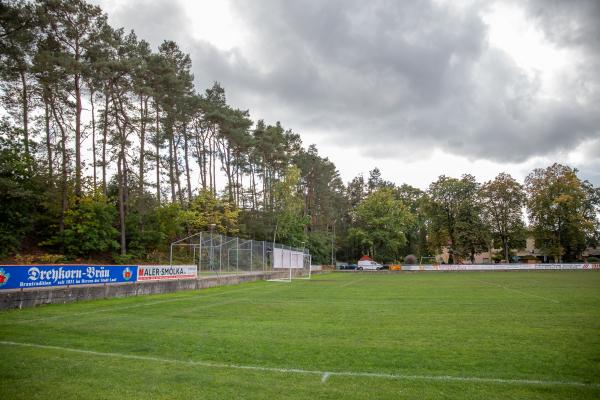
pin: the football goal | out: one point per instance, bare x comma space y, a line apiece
216, 254
291, 263
428, 261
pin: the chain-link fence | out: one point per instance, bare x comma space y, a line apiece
219, 254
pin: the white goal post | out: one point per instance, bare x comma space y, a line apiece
296, 262
427, 260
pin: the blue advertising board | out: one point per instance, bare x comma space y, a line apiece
35, 276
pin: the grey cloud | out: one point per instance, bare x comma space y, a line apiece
153, 20
407, 75
568, 23
397, 77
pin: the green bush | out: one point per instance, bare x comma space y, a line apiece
123, 259
20, 193
410, 259
89, 228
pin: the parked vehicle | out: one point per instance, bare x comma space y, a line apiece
348, 266
367, 264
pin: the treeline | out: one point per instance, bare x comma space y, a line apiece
109, 134
108, 150
467, 217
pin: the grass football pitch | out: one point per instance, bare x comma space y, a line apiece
495, 335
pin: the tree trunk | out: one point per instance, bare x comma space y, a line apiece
121, 176
187, 165
143, 116
226, 159
203, 165
157, 154
64, 173
48, 141
93, 142
176, 165
121, 205
171, 172
24, 99
125, 179
239, 186
264, 185
104, 143
253, 185
210, 161
78, 109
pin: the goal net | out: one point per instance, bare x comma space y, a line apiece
290, 263
429, 261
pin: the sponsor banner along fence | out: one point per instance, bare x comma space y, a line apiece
160, 272
498, 267
35, 276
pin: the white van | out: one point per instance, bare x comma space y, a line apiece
367, 264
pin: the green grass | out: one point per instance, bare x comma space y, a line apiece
508, 329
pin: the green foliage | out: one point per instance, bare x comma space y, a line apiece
145, 114
380, 222
21, 192
124, 259
454, 213
289, 206
502, 201
153, 230
41, 259
206, 210
319, 244
561, 211
416, 232
89, 228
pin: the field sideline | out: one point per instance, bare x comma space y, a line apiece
352, 335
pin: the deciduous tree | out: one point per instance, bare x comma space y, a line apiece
561, 211
503, 200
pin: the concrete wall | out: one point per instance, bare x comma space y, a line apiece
34, 297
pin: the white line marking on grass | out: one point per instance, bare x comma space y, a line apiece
325, 377
352, 282
146, 304
518, 291
322, 374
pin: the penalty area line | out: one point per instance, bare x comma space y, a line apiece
352, 282
518, 291
325, 375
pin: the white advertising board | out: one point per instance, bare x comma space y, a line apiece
164, 272
283, 258
497, 267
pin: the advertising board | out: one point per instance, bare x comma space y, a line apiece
165, 272
36, 276
498, 267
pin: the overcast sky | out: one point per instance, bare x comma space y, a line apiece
418, 88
